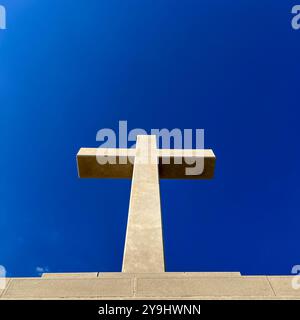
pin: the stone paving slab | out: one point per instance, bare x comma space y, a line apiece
3, 285
167, 274
206, 286
60, 288
283, 285
83, 275
181, 286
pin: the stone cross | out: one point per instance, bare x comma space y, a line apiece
144, 249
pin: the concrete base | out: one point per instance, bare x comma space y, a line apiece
166, 285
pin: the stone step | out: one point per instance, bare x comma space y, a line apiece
140, 275
167, 274
71, 275
176, 287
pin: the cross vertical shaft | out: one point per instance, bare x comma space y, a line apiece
144, 251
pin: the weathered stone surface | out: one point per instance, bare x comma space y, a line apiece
3, 285
177, 164
283, 286
144, 250
212, 274
167, 274
88, 167
41, 288
206, 286
153, 286
71, 275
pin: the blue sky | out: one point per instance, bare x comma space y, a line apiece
69, 68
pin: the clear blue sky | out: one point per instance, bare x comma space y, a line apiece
69, 68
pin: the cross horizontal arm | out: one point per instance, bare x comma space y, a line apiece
118, 163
